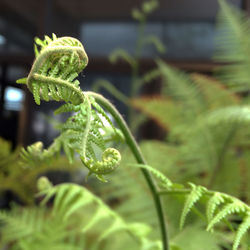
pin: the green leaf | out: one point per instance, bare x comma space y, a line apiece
234, 207
243, 228
22, 80
194, 196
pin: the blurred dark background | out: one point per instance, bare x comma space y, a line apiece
186, 27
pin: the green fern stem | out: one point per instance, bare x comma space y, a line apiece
140, 159
188, 190
87, 128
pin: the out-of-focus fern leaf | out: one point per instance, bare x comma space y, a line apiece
36, 229
233, 47
181, 88
7, 156
70, 198
16, 164
231, 114
164, 111
214, 92
200, 239
156, 42
122, 54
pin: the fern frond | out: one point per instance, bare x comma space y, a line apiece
243, 228
18, 227
214, 93
32, 155
82, 130
181, 88
219, 208
228, 209
37, 229
67, 107
194, 196
238, 114
216, 200
70, 198
110, 160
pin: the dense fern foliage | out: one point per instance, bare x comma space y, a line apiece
207, 127
20, 168
66, 226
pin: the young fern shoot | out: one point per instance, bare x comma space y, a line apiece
53, 77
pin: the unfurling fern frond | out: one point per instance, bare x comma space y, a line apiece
71, 198
52, 77
55, 68
83, 132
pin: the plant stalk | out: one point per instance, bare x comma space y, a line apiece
140, 159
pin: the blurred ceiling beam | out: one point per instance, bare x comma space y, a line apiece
112, 10
170, 10
16, 58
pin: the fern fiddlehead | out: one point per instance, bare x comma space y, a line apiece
53, 77
55, 68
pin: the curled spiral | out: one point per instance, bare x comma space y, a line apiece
111, 158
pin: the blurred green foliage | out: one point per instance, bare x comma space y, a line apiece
207, 143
